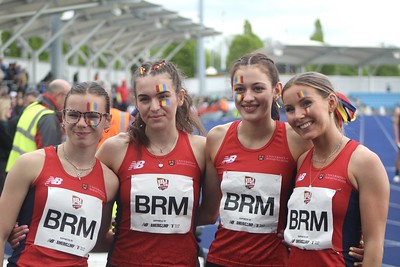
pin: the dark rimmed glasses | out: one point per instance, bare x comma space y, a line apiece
92, 118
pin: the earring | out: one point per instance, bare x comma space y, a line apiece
106, 130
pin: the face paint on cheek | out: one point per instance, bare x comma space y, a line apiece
91, 106
238, 97
164, 103
161, 87
308, 109
238, 79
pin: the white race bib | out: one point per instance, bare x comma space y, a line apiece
70, 222
161, 203
250, 201
310, 220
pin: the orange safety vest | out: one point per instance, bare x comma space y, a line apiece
119, 123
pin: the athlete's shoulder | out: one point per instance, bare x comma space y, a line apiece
219, 130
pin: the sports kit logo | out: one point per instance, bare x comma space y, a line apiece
307, 197
229, 159
249, 182
77, 202
162, 183
53, 181
261, 157
136, 165
301, 177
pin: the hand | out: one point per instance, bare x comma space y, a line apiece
358, 253
17, 234
281, 236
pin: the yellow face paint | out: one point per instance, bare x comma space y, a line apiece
91, 106
238, 97
301, 94
164, 102
161, 87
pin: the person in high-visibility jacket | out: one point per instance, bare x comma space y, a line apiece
39, 125
120, 120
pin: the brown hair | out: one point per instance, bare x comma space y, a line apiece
186, 119
265, 64
93, 88
315, 80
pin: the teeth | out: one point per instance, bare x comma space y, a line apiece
305, 125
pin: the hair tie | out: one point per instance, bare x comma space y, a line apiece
142, 70
345, 111
159, 65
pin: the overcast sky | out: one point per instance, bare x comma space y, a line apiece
344, 22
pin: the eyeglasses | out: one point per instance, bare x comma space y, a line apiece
92, 118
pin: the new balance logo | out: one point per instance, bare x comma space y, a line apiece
301, 177
136, 165
53, 180
229, 159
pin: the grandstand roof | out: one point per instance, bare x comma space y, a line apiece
302, 55
123, 29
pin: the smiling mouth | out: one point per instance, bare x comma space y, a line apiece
249, 108
305, 125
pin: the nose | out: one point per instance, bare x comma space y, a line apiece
81, 122
248, 95
299, 113
155, 104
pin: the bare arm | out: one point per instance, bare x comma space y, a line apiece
368, 174
15, 190
112, 151
211, 194
105, 236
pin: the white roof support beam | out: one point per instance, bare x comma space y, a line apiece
84, 40
126, 48
50, 10
176, 50
56, 35
23, 28
115, 37
161, 50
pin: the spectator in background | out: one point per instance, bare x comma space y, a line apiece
30, 96
120, 120
5, 136
40, 125
76, 78
21, 102
122, 95
396, 128
3, 69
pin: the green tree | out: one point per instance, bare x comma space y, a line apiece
318, 34
387, 70
35, 43
185, 59
243, 43
13, 50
